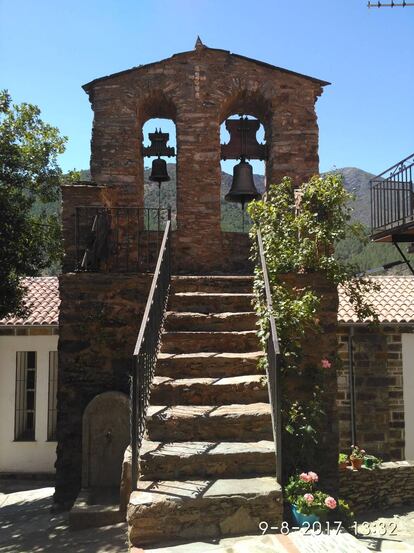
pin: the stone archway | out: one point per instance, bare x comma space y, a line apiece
104, 440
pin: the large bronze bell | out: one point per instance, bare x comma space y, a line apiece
243, 189
159, 171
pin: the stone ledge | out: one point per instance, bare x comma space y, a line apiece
390, 484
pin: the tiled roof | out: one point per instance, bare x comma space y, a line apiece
393, 303
42, 300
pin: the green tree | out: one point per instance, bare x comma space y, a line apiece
30, 239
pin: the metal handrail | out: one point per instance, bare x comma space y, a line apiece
146, 348
273, 363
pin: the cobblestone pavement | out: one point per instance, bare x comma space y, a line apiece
27, 526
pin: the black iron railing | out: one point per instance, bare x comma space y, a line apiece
147, 346
392, 198
118, 239
273, 363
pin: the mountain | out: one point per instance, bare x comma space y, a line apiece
357, 182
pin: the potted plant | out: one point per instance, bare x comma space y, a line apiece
357, 457
308, 505
343, 460
371, 462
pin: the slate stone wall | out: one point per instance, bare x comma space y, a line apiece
378, 374
198, 90
100, 316
390, 485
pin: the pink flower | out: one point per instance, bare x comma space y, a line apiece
313, 476
362, 450
308, 498
305, 477
330, 502
326, 364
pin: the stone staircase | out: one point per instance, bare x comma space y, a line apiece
207, 463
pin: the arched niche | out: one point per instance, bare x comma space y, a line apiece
160, 196
157, 111
105, 436
233, 218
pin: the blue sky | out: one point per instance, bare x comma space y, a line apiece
49, 48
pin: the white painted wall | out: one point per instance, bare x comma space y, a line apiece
39, 455
408, 385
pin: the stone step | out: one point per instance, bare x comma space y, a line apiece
182, 342
162, 510
209, 391
209, 423
169, 461
235, 284
201, 302
210, 321
208, 364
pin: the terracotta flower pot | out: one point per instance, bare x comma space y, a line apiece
343, 466
357, 463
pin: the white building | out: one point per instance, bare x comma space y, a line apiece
28, 382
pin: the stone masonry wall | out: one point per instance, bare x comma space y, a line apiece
100, 316
74, 196
390, 485
379, 390
198, 90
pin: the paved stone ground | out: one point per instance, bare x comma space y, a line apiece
27, 526
389, 530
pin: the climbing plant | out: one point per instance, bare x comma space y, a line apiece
299, 229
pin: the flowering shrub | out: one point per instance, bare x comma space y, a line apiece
299, 237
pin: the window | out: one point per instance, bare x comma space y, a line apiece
25, 405
52, 400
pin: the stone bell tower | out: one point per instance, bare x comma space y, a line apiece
103, 287
198, 90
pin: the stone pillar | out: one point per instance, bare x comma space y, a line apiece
198, 237
116, 157
293, 137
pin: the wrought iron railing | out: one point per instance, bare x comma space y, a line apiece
146, 348
392, 198
273, 363
118, 239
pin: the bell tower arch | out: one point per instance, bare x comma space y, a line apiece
198, 90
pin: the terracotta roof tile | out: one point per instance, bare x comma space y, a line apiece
42, 300
394, 302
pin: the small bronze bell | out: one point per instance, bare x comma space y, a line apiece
159, 171
243, 189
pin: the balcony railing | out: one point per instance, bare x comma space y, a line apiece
118, 239
392, 200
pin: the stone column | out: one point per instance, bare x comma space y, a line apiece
198, 237
293, 137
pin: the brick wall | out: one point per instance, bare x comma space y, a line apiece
379, 390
